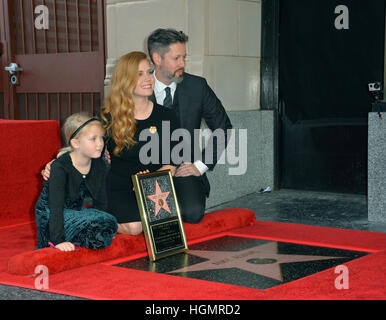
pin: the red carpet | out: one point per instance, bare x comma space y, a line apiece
123, 245
100, 280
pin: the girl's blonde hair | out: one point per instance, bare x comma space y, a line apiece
118, 114
71, 124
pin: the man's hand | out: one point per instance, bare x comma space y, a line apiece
46, 172
187, 169
107, 156
65, 246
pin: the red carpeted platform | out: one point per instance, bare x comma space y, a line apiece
123, 245
26, 146
105, 281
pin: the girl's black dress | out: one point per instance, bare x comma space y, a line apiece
60, 214
121, 197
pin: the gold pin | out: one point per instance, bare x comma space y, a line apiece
153, 129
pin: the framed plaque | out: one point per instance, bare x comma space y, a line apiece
160, 214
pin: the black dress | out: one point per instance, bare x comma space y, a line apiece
121, 197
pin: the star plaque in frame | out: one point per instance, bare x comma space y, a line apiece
160, 214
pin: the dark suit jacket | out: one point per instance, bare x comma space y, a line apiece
197, 101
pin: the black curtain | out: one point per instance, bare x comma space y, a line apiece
324, 72
324, 76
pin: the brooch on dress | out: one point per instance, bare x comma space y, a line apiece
153, 129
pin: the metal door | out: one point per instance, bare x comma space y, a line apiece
63, 64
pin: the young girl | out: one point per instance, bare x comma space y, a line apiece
79, 172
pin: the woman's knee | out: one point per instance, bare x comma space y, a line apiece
131, 228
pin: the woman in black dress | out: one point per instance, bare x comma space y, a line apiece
129, 112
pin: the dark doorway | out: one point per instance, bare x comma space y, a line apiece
329, 51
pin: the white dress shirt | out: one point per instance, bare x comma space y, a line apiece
159, 90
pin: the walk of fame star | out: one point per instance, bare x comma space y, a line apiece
262, 259
159, 198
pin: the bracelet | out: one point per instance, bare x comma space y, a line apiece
51, 245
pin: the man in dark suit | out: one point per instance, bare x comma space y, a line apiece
193, 100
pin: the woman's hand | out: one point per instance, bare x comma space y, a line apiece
107, 156
142, 172
46, 171
65, 246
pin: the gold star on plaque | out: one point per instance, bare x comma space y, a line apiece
153, 129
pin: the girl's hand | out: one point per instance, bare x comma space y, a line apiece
65, 246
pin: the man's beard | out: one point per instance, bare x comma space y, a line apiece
173, 78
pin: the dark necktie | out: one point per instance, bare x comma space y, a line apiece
168, 98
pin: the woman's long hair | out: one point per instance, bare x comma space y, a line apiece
119, 109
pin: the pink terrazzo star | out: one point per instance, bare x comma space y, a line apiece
159, 198
244, 260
